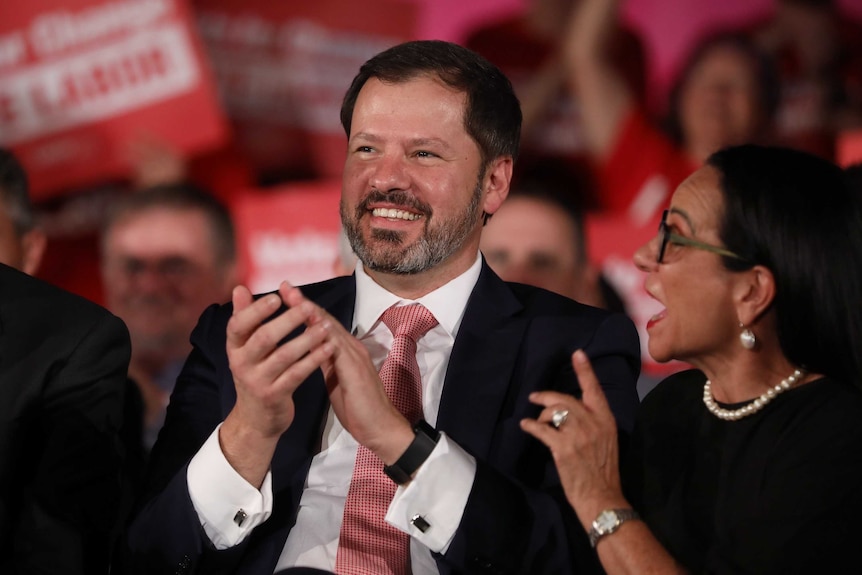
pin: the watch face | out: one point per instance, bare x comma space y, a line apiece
606, 521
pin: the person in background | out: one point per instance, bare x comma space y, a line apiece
63, 363
818, 53
285, 447
73, 220
167, 253
726, 95
537, 237
22, 241
749, 463
528, 48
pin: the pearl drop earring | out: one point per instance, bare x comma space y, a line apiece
747, 338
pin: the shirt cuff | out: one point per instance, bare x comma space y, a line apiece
228, 506
429, 508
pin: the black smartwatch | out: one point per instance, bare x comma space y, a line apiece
415, 455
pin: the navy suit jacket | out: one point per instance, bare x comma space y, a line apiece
513, 339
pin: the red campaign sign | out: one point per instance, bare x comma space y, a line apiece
79, 79
612, 241
288, 233
849, 148
283, 68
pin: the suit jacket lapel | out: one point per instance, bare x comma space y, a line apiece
480, 368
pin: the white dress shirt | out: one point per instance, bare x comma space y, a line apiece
438, 491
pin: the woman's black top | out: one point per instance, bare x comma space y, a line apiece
779, 491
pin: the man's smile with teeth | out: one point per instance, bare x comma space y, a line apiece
396, 214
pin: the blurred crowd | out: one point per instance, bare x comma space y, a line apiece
583, 77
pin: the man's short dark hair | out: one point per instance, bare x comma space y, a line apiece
180, 196
492, 116
14, 193
555, 183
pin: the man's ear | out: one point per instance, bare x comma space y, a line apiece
33, 244
754, 294
498, 177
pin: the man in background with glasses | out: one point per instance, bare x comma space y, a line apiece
167, 253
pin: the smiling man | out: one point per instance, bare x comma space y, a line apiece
370, 424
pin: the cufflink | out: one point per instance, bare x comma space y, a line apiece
419, 523
240, 517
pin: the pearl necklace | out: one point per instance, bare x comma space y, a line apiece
754, 406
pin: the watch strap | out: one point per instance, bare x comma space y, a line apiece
621, 515
415, 455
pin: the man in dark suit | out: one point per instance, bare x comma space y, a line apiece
281, 400
63, 363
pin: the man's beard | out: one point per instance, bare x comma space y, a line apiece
387, 252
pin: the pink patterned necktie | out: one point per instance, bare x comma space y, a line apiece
367, 544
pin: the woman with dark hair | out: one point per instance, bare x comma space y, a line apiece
728, 75
726, 95
750, 463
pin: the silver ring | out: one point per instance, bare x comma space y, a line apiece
559, 417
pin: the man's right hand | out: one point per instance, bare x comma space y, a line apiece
265, 375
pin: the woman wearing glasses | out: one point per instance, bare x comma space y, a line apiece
752, 463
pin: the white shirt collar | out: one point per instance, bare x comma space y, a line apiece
447, 302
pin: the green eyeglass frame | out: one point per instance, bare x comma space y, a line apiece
665, 237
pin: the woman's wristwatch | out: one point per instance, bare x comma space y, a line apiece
609, 521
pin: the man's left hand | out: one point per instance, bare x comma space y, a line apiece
355, 390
